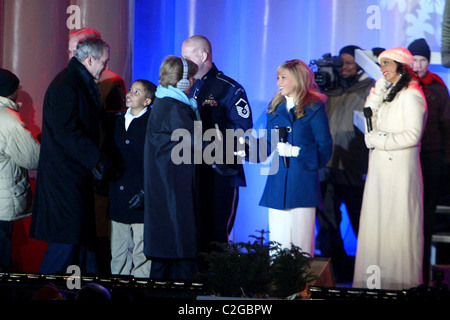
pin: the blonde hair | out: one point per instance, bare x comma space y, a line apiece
171, 71
306, 92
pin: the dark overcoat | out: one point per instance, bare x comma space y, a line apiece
298, 185
170, 230
125, 148
63, 209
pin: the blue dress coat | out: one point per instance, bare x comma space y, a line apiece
298, 185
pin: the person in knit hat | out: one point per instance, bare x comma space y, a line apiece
435, 150
350, 71
9, 83
391, 226
19, 153
342, 180
421, 54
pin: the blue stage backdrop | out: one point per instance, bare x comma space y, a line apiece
251, 38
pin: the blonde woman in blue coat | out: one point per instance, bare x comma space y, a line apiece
292, 194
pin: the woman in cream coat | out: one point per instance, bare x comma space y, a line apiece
390, 239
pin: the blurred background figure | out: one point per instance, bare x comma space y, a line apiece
342, 180
19, 152
435, 147
92, 292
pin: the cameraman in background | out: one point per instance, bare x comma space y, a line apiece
342, 180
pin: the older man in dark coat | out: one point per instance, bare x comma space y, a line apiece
63, 211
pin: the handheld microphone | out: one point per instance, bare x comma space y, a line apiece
368, 115
282, 134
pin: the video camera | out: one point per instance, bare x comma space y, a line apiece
326, 71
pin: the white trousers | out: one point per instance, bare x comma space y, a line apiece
127, 250
296, 226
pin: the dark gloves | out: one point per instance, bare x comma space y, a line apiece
137, 201
220, 168
224, 170
102, 168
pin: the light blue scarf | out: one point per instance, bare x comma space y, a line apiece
177, 94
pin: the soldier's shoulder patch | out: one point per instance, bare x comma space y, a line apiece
242, 108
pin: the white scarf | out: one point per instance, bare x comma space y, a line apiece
289, 103
129, 117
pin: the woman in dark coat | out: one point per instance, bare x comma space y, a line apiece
292, 193
170, 232
63, 210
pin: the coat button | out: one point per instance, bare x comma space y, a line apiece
121, 187
127, 141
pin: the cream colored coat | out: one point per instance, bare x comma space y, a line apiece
391, 225
19, 152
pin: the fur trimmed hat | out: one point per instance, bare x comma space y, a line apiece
399, 54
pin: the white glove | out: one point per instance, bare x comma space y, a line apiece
241, 153
375, 139
287, 150
381, 85
367, 138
